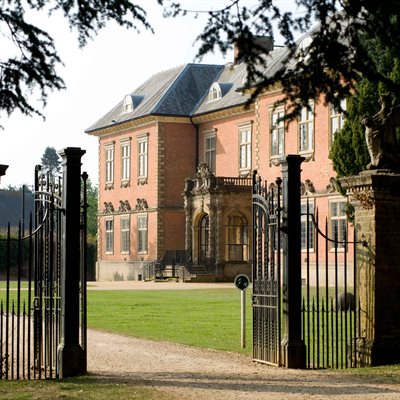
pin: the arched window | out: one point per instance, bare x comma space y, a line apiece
214, 93
236, 238
204, 232
127, 104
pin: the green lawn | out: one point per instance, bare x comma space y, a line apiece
88, 388
203, 318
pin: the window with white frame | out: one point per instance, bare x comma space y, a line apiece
277, 133
109, 235
245, 149
307, 226
125, 160
337, 119
143, 148
125, 234
127, 105
214, 93
338, 222
142, 233
306, 129
209, 151
109, 157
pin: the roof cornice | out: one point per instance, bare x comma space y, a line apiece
137, 123
220, 114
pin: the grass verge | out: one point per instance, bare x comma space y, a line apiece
203, 318
88, 388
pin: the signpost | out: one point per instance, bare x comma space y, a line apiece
242, 282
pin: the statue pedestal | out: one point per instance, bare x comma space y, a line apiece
376, 199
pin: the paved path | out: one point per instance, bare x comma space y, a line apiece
204, 374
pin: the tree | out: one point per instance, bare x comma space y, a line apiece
329, 66
20, 188
349, 150
92, 194
51, 161
31, 64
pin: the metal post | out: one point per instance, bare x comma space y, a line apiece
70, 353
293, 346
243, 318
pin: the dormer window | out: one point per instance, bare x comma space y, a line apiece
215, 93
128, 104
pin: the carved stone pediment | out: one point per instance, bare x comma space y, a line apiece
364, 197
203, 171
108, 208
141, 205
205, 179
332, 187
124, 206
307, 187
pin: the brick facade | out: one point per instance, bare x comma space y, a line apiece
176, 146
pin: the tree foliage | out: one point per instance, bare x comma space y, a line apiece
336, 59
20, 188
31, 62
50, 161
332, 63
349, 150
92, 194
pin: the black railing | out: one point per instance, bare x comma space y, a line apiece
30, 298
330, 305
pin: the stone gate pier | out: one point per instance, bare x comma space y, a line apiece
376, 198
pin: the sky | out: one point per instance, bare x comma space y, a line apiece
97, 77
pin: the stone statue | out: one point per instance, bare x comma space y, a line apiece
380, 135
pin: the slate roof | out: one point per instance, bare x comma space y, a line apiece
175, 92
230, 80
183, 91
11, 208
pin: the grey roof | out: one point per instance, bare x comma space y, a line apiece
11, 207
183, 91
173, 92
230, 80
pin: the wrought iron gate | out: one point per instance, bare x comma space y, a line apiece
330, 303
30, 295
306, 311
266, 272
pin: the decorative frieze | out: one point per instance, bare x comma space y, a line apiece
141, 205
108, 207
307, 188
371, 186
332, 186
124, 206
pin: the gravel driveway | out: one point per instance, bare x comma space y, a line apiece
203, 374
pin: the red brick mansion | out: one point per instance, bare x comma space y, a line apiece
176, 158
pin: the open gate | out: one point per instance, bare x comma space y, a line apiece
306, 311
266, 272
31, 295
